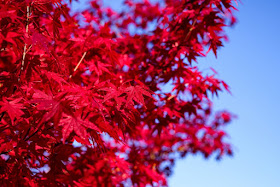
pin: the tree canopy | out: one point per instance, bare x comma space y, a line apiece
106, 98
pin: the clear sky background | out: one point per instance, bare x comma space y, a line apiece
250, 64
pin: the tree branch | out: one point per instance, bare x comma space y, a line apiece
25, 50
78, 64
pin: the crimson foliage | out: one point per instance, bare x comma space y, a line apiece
84, 98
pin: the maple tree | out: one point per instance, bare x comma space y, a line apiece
84, 98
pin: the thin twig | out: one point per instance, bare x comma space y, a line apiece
78, 64
189, 32
5, 152
194, 22
25, 45
26, 138
1, 116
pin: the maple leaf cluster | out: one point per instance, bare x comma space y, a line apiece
83, 95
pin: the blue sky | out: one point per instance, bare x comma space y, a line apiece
249, 63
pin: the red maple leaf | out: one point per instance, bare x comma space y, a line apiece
13, 108
53, 105
135, 93
71, 123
